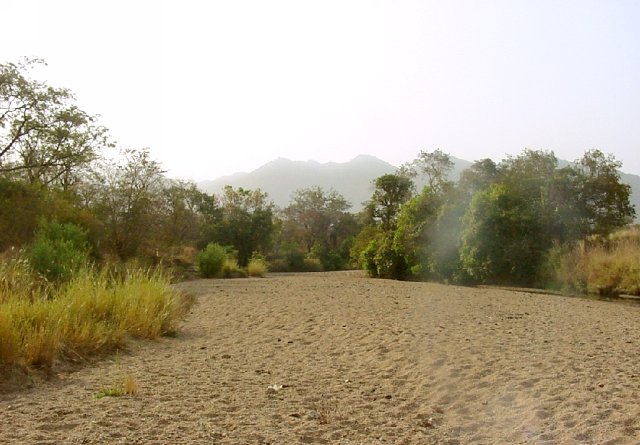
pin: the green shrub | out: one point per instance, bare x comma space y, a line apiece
211, 260
368, 258
390, 262
333, 261
58, 251
382, 259
295, 261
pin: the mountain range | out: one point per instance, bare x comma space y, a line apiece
353, 179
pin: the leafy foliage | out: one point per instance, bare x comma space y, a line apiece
436, 165
211, 260
27, 204
313, 217
317, 222
391, 191
246, 223
502, 241
498, 224
44, 137
59, 251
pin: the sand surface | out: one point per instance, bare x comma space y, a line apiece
359, 361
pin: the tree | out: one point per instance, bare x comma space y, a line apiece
391, 191
23, 205
436, 166
246, 223
479, 176
319, 223
128, 200
181, 219
313, 217
44, 137
603, 199
503, 240
411, 237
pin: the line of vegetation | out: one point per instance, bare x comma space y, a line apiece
525, 221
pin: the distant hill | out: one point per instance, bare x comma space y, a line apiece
282, 177
634, 182
353, 179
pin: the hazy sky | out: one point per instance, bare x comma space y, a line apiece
215, 87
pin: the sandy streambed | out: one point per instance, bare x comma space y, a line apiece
339, 358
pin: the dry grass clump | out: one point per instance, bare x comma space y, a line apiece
312, 265
17, 278
94, 312
606, 266
257, 267
231, 269
127, 386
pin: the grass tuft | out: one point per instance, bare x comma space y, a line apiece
230, 269
126, 386
257, 267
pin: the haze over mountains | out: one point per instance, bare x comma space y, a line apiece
353, 179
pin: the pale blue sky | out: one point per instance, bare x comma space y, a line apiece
218, 87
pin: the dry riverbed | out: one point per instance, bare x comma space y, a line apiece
338, 358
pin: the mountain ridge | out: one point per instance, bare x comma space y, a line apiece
353, 179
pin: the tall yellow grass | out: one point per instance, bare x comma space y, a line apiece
95, 312
608, 266
257, 267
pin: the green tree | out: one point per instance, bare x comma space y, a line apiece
603, 199
128, 200
246, 223
479, 176
391, 191
503, 240
44, 137
319, 223
181, 218
436, 166
445, 233
411, 237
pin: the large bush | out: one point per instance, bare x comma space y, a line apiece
383, 259
58, 251
211, 260
503, 241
